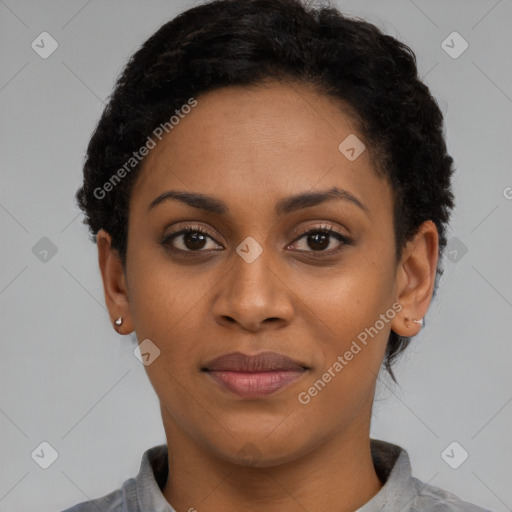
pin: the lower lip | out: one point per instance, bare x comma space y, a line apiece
255, 384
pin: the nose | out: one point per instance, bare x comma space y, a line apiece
254, 295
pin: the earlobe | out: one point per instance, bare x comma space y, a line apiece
114, 283
407, 322
415, 279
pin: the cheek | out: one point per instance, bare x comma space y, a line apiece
353, 345
353, 298
160, 293
163, 310
354, 311
170, 305
161, 301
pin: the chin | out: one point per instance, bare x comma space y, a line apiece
264, 451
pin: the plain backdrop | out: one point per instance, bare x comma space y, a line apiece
67, 379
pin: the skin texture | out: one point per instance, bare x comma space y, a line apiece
250, 148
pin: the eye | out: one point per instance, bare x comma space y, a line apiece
190, 239
319, 240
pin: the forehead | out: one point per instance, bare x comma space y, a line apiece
253, 145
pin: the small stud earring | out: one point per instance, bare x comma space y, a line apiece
119, 321
408, 325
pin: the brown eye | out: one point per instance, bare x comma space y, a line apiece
191, 239
319, 240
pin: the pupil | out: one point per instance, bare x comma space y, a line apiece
315, 239
196, 240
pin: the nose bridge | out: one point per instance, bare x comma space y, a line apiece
252, 271
252, 292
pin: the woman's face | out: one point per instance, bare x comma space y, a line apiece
254, 283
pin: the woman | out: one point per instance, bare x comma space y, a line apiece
269, 190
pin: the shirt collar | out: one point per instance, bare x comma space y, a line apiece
391, 462
393, 468
151, 480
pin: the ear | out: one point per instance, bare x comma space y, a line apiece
415, 279
114, 283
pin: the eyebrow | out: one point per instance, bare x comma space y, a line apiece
283, 207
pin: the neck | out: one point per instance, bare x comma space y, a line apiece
338, 476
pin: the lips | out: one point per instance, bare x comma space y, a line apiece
254, 376
263, 362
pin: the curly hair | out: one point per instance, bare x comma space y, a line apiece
245, 42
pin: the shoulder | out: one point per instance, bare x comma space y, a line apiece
402, 491
115, 501
136, 494
434, 499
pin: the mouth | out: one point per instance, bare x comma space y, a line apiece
254, 376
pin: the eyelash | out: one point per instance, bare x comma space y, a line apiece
323, 229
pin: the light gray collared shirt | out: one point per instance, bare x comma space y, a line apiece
401, 492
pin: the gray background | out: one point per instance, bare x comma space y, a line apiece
67, 378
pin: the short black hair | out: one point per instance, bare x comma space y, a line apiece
245, 42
